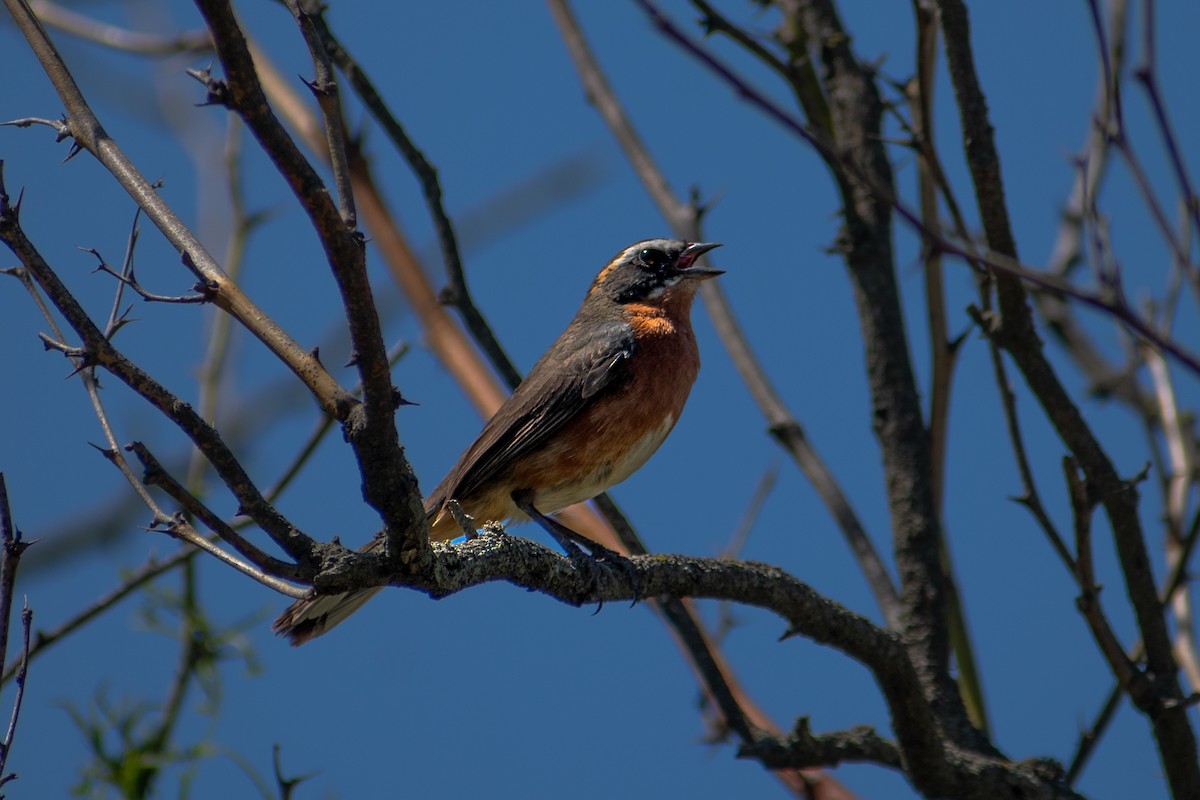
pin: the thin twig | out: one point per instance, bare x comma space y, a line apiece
1163, 705
88, 377
1082, 506
324, 87
457, 294
741, 533
268, 566
87, 132
99, 351
118, 38
22, 675
143, 575
1030, 496
388, 483
1146, 74
11, 549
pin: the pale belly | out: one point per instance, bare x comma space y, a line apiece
556, 498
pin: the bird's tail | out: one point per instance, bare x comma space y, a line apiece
311, 616
314, 614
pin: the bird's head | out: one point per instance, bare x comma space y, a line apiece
654, 271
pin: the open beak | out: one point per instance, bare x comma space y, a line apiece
687, 259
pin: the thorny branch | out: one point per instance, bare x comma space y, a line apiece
12, 546
457, 293
389, 484
82, 125
97, 350
678, 613
841, 745
1163, 701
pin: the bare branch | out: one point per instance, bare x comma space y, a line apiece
90, 135
944, 770
99, 351
324, 87
1146, 74
117, 38
126, 277
802, 748
1174, 735
22, 674
1082, 505
389, 484
157, 476
138, 578
457, 293
11, 549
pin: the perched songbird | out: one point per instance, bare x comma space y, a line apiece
591, 411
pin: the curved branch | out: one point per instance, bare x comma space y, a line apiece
938, 767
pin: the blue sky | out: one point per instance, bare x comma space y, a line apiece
498, 691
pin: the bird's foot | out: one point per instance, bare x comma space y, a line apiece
597, 561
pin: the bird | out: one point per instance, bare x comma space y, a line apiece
593, 409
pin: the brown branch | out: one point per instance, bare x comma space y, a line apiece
802, 748
389, 484
324, 87
457, 293
117, 38
1164, 706
85, 128
11, 549
944, 769
97, 350
715, 676
156, 475
866, 243
22, 673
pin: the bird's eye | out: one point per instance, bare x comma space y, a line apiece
654, 259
